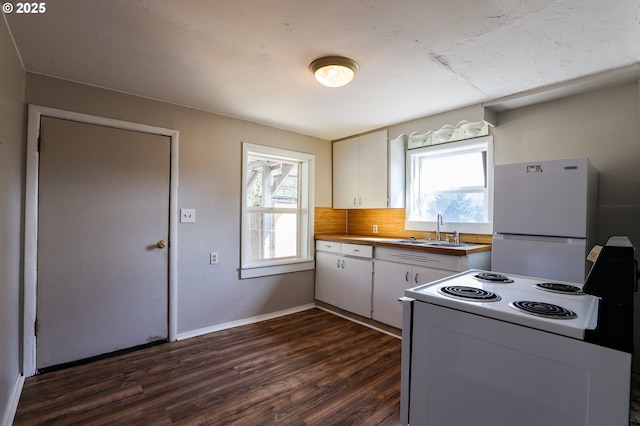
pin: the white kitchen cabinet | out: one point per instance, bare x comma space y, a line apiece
396, 270
360, 172
390, 281
328, 274
344, 274
355, 288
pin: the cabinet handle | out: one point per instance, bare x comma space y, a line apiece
406, 276
360, 200
415, 279
338, 263
343, 264
355, 201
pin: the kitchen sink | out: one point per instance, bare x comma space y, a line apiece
409, 241
416, 242
428, 243
443, 244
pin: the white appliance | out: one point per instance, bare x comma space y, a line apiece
485, 348
544, 218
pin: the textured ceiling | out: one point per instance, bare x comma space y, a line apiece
249, 58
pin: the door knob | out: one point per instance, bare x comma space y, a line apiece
161, 244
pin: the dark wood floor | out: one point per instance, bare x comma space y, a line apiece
309, 368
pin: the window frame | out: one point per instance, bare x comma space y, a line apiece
304, 260
463, 227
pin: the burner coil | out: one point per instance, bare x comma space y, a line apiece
469, 293
543, 309
560, 288
493, 277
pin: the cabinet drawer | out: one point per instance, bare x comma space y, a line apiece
329, 246
357, 250
420, 258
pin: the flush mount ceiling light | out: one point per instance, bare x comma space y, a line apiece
334, 71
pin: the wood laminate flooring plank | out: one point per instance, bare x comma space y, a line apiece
308, 368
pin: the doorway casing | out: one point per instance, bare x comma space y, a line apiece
31, 220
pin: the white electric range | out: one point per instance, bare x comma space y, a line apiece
487, 348
553, 306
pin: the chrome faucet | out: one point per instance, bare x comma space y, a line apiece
438, 223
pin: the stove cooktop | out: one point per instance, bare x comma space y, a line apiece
560, 308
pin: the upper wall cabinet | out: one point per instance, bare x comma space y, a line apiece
360, 167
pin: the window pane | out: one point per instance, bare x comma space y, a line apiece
452, 179
272, 182
277, 211
451, 172
456, 206
271, 236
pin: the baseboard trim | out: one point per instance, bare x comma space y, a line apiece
10, 411
347, 317
245, 321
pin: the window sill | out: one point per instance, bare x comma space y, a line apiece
264, 271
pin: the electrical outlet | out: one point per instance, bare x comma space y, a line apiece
375, 229
187, 215
213, 258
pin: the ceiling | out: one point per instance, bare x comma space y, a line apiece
250, 59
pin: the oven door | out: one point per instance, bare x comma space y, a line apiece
468, 369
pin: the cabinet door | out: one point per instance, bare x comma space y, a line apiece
345, 174
372, 170
328, 276
389, 282
420, 275
355, 286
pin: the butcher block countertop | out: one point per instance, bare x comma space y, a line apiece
462, 249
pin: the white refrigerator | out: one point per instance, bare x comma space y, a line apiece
544, 218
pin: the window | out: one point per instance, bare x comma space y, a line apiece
277, 215
455, 179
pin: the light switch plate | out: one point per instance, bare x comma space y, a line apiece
187, 215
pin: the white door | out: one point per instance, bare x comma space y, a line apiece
372, 170
355, 285
547, 198
328, 268
503, 375
103, 208
345, 174
390, 280
420, 275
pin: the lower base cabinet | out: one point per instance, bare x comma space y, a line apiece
344, 282
366, 281
396, 270
327, 278
390, 281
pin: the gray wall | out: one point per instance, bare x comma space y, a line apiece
603, 125
12, 137
209, 181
